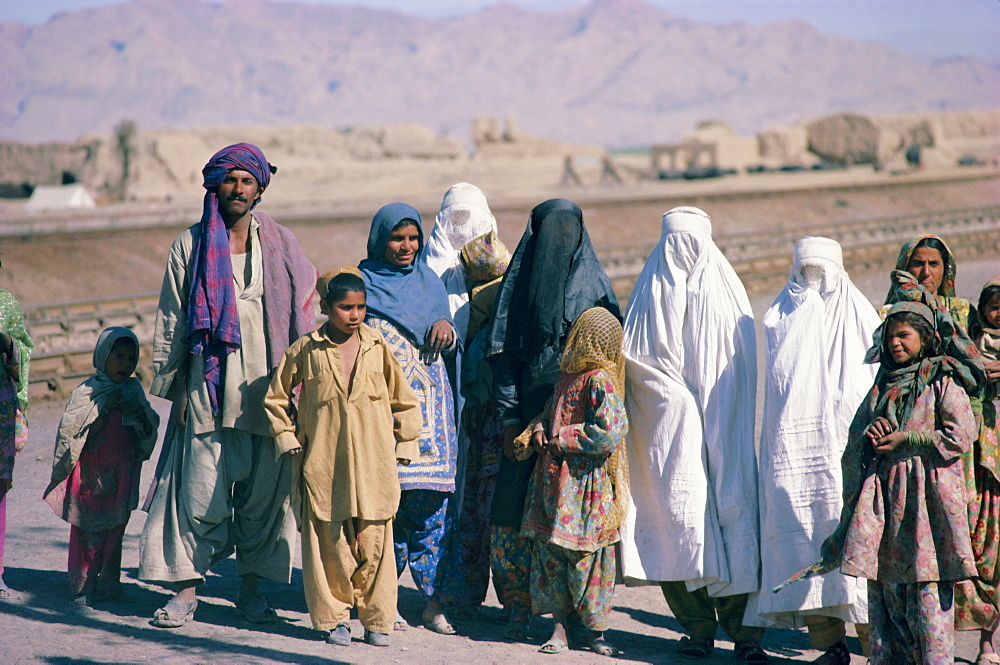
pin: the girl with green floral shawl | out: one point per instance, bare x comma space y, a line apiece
15, 349
903, 526
976, 600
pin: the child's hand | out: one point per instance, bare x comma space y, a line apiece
889, 442
878, 429
538, 440
554, 447
992, 370
292, 452
402, 462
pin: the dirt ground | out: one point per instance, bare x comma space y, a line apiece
42, 626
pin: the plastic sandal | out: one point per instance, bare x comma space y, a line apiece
553, 646
750, 652
439, 624
176, 616
696, 649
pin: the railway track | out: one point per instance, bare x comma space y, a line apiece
64, 333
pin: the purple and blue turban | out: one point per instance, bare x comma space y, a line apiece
212, 318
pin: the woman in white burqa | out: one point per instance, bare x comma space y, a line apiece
817, 333
691, 379
465, 215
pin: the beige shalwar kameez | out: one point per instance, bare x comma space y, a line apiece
345, 484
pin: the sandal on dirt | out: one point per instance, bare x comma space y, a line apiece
696, 649
399, 623
340, 636
602, 647
516, 631
750, 652
256, 610
553, 646
838, 654
438, 624
5, 594
988, 659
174, 614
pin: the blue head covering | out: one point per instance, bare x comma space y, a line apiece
413, 297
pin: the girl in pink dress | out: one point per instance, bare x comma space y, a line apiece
107, 431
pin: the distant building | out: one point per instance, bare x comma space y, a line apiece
59, 197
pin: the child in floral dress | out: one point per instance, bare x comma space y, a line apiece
578, 495
904, 524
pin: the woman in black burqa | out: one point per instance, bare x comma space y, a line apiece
553, 277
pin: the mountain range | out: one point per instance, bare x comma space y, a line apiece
612, 72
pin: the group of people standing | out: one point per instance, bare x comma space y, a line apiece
472, 413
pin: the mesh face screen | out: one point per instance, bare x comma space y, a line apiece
457, 216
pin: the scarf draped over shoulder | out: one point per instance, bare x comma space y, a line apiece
213, 320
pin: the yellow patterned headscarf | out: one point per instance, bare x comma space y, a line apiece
485, 258
595, 342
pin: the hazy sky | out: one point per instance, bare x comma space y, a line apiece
931, 27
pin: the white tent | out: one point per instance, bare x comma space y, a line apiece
59, 197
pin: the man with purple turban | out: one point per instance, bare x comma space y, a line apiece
236, 292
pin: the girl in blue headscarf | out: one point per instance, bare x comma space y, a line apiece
408, 304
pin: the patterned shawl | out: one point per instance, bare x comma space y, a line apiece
947, 287
213, 321
955, 341
485, 258
13, 387
12, 323
892, 396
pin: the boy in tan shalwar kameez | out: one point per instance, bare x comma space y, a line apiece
356, 418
